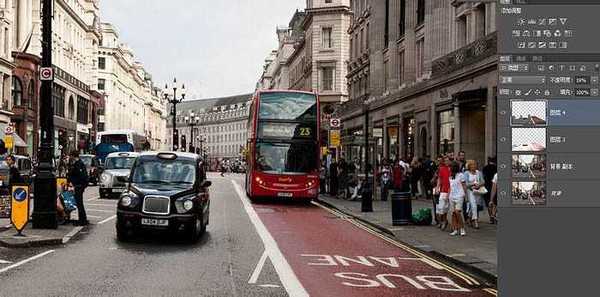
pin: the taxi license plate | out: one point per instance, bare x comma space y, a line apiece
118, 190
282, 194
155, 222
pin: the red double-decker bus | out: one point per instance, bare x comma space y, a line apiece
283, 145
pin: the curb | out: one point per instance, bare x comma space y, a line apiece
482, 274
44, 242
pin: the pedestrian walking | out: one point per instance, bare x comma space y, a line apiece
475, 190
415, 176
333, 179
428, 172
443, 188
385, 179
77, 177
494, 200
322, 179
343, 177
489, 171
458, 189
14, 175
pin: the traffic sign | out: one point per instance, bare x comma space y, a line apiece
46, 73
9, 130
19, 215
335, 123
9, 142
334, 138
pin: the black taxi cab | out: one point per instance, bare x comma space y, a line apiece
165, 191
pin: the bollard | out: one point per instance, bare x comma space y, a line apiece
367, 197
401, 208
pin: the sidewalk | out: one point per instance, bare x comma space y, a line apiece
477, 250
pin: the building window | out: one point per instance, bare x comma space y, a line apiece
71, 112
328, 1
362, 47
101, 84
480, 20
102, 63
17, 91
327, 41
82, 110
386, 76
367, 37
58, 96
446, 131
386, 31
401, 67
402, 18
327, 78
420, 12
31, 93
420, 57
462, 31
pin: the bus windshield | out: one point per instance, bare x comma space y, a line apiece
288, 106
286, 158
114, 138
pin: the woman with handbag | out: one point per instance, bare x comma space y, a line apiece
475, 189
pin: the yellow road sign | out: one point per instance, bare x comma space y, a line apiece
61, 183
9, 141
19, 215
334, 138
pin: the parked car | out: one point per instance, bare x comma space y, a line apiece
93, 167
116, 167
166, 191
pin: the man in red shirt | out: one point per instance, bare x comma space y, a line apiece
443, 185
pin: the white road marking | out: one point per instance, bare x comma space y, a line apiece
94, 217
7, 268
93, 198
107, 220
258, 268
101, 205
5, 262
287, 276
269, 286
101, 210
71, 234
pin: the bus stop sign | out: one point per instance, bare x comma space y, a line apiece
19, 215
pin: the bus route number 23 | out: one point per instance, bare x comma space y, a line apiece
305, 132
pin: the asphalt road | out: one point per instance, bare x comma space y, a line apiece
266, 249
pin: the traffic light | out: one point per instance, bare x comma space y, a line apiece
62, 138
183, 142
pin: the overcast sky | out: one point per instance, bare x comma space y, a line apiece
216, 47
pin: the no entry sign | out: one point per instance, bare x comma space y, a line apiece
46, 73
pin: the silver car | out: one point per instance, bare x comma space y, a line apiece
117, 167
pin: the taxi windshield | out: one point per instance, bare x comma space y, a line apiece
159, 171
119, 162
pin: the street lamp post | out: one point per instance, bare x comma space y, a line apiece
44, 208
174, 101
192, 121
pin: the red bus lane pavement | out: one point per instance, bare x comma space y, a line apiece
332, 256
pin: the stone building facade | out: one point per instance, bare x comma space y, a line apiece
427, 71
221, 130
75, 42
132, 99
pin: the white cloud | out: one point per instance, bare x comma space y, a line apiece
216, 47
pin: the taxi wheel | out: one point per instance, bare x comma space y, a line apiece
196, 230
123, 234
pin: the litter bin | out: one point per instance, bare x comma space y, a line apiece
401, 208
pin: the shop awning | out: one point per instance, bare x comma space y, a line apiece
18, 141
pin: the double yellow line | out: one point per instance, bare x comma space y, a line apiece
467, 278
